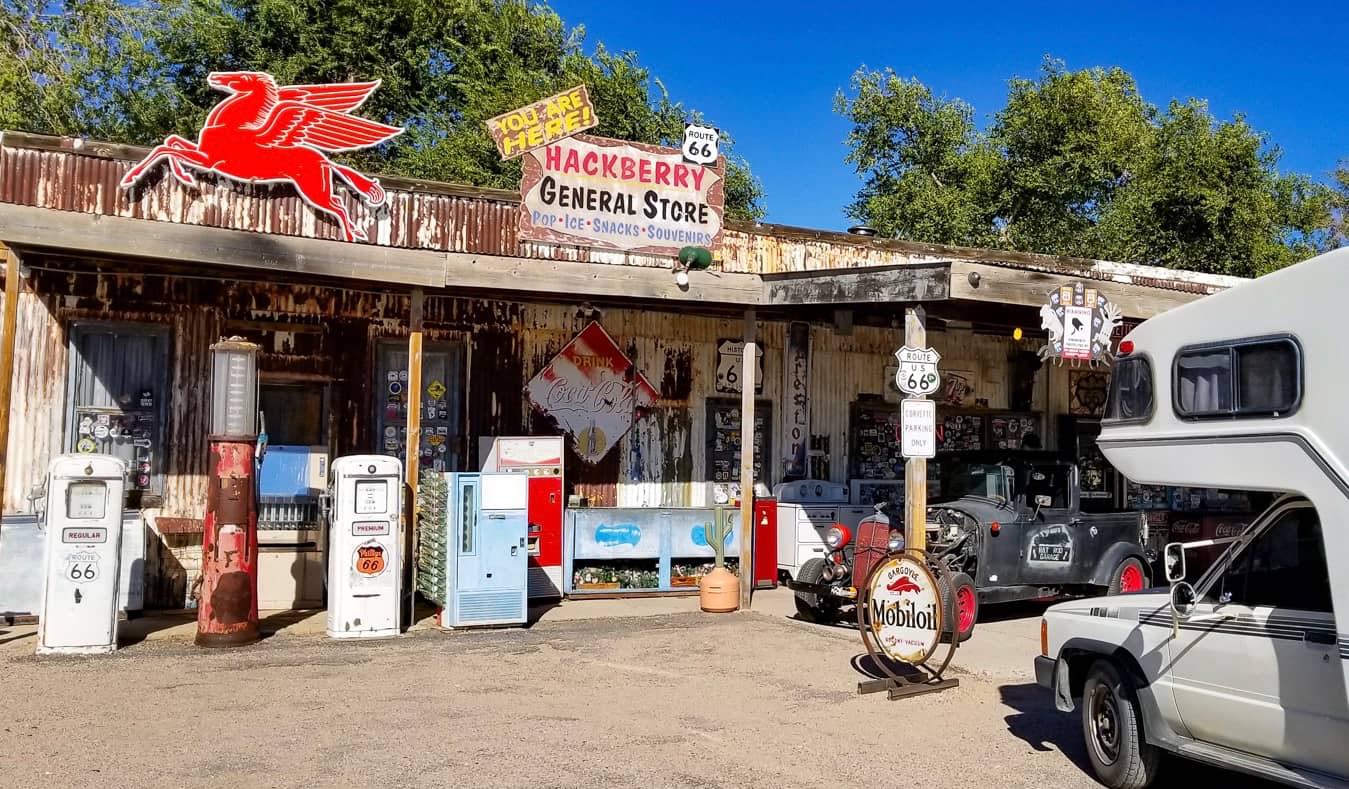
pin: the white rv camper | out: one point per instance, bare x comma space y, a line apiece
1248, 665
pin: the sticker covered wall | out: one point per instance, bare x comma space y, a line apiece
606, 193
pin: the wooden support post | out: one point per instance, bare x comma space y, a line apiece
915, 469
11, 318
748, 368
412, 461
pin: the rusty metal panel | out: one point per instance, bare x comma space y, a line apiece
36, 415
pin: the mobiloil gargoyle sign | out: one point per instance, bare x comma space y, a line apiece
905, 609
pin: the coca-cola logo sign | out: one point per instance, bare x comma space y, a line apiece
593, 392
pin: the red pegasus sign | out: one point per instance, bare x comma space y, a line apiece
264, 133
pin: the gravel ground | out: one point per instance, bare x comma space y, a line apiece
683, 700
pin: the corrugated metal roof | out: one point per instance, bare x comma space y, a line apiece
69, 174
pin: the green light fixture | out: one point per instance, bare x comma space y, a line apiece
695, 258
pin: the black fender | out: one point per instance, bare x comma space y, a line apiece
1105, 566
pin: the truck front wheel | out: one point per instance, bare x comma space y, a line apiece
1128, 577
1113, 729
813, 607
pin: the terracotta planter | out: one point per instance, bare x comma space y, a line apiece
612, 585
719, 591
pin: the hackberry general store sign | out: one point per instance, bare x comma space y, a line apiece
592, 391
597, 192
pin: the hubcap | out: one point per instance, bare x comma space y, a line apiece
1104, 719
1131, 579
965, 602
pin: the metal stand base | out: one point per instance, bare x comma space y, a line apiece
904, 687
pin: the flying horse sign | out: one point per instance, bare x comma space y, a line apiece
265, 133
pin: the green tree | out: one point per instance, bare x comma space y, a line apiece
80, 67
1208, 197
1077, 163
929, 175
445, 66
1069, 141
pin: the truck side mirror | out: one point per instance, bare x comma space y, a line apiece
1174, 557
1182, 599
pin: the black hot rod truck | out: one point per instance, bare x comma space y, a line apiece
1008, 530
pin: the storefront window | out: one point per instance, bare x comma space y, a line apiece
118, 400
1130, 391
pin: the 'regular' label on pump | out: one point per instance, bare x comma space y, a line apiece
83, 535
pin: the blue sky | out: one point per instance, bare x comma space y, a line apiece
768, 72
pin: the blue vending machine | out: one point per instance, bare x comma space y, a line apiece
488, 568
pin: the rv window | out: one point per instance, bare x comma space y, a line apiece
1253, 378
1267, 378
1130, 390
1285, 567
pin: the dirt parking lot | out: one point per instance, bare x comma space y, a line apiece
675, 700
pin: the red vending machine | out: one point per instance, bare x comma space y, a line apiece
541, 458
765, 543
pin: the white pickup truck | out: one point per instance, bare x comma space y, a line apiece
1245, 666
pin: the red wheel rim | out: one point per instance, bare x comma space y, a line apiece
965, 606
1131, 579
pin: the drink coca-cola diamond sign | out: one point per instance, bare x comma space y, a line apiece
593, 392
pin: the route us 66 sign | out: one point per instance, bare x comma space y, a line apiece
700, 144
730, 357
917, 373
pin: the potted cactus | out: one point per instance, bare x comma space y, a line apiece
719, 590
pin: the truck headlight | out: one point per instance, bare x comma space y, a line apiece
837, 537
896, 543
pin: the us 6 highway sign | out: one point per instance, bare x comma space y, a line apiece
917, 374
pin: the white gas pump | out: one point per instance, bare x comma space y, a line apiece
84, 541
364, 541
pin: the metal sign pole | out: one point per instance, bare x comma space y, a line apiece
915, 469
747, 373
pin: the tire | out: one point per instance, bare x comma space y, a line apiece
811, 607
962, 586
1112, 728
1129, 576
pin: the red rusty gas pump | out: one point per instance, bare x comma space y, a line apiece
227, 608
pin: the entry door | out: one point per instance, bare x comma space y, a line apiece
441, 403
1256, 665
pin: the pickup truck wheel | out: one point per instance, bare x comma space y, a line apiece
1128, 577
812, 607
960, 606
1113, 729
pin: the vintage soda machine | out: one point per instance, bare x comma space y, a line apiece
84, 541
473, 544
364, 556
539, 459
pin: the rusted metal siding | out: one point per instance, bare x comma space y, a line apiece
39, 378
84, 177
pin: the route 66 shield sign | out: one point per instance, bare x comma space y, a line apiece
701, 144
917, 374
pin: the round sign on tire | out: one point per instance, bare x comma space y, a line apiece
905, 609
